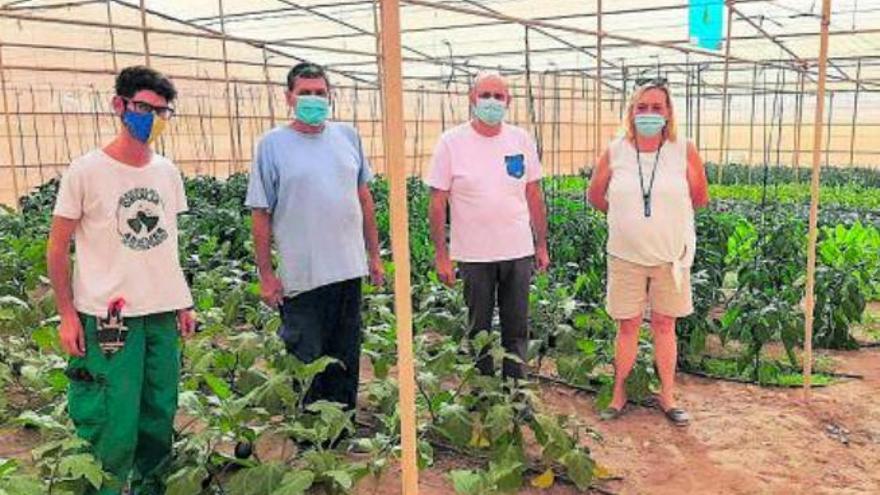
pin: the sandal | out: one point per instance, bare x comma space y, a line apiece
677, 416
611, 413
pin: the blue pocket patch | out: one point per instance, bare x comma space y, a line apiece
516, 165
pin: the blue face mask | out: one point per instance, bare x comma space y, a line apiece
144, 127
490, 110
649, 124
311, 110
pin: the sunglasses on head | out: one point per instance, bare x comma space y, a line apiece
651, 82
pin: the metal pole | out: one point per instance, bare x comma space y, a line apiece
145, 33
269, 90
752, 119
852, 137
829, 124
10, 146
722, 155
112, 35
233, 156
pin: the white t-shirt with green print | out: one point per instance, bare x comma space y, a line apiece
126, 240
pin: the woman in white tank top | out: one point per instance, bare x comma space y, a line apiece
648, 182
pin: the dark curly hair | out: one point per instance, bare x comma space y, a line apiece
137, 78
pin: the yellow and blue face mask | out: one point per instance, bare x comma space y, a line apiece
145, 127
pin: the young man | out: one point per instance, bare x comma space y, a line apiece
121, 204
309, 191
489, 173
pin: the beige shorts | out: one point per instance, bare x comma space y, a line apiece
632, 288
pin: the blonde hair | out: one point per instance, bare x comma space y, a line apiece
628, 125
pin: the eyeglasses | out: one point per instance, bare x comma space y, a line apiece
651, 82
164, 113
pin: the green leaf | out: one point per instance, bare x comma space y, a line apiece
295, 483
340, 478
579, 468
258, 480
78, 466
219, 387
468, 482
19, 485
454, 423
7, 467
187, 481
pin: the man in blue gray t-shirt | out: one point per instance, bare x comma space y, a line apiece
309, 191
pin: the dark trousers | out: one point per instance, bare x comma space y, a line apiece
508, 282
327, 322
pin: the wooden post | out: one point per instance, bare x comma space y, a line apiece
722, 147
598, 114
10, 146
233, 156
112, 35
809, 302
852, 137
394, 141
144, 32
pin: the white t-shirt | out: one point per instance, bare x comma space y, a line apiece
669, 234
486, 178
126, 240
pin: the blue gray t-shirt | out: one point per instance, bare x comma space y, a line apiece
309, 184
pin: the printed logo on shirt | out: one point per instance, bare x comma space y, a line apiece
516, 165
140, 219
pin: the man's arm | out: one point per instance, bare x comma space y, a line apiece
599, 184
371, 235
270, 287
696, 177
58, 261
538, 216
437, 220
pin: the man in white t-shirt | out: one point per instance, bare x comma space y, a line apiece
489, 174
128, 299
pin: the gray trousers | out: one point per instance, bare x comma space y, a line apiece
508, 283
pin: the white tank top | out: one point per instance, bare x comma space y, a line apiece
669, 234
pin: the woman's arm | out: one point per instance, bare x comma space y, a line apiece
696, 177
599, 183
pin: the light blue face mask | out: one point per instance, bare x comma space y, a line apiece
490, 111
311, 110
649, 124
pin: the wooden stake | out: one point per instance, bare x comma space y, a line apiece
722, 155
394, 142
144, 32
809, 302
10, 146
598, 115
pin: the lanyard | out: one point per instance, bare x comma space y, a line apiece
646, 195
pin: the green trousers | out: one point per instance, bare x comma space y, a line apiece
125, 404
